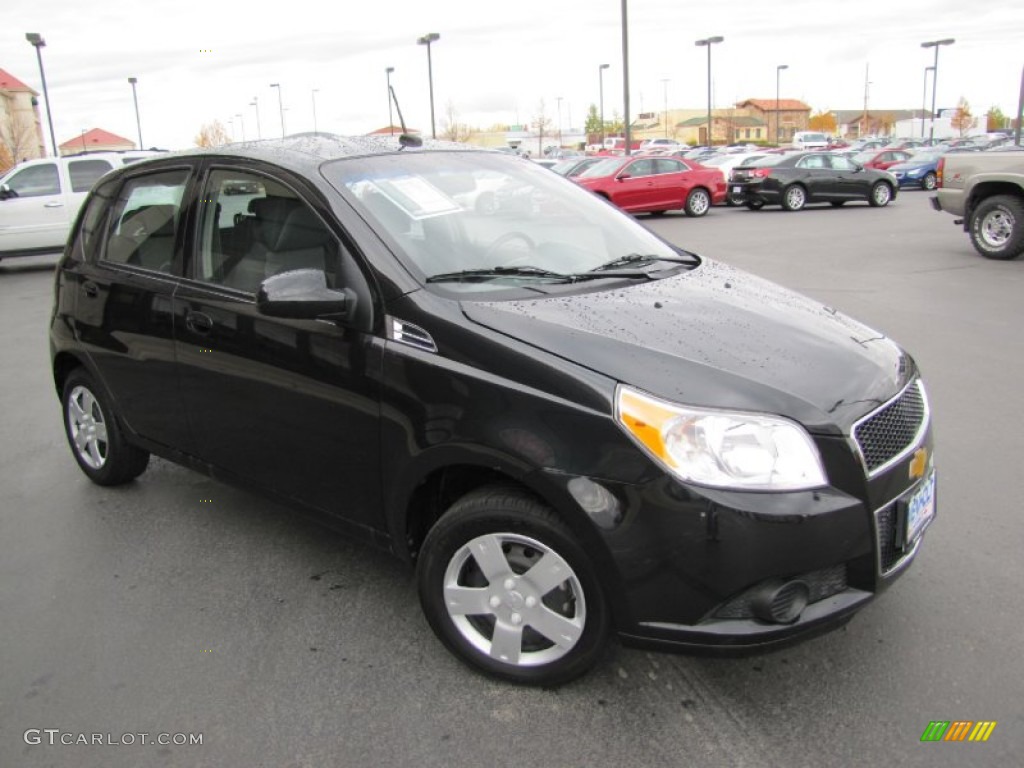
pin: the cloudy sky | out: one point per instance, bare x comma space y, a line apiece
495, 62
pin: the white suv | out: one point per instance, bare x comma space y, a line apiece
39, 199
810, 140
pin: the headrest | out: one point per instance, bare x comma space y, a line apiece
302, 229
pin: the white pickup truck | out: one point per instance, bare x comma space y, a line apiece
985, 190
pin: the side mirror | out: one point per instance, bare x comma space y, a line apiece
623, 176
6, 192
302, 294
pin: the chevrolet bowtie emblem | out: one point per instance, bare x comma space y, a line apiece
919, 463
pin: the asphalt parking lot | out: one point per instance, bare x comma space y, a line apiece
179, 605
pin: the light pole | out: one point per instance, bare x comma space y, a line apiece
259, 131
625, 78
936, 44
391, 119
924, 98
600, 92
778, 71
708, 42
37, 42
135, 98
427, 39
664, 84
280, 105
314, 109
241, 122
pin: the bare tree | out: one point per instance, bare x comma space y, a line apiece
541, 123
454, 130
213, 135
17, 137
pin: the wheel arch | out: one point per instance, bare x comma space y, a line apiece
986, 189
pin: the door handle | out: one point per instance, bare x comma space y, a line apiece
197, 322
91, 289
53, 204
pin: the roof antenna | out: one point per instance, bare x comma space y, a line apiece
406, 139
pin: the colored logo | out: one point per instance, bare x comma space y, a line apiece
958, 730
919, 463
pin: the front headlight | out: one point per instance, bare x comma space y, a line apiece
915, 172
723, 449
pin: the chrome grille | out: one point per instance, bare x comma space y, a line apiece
894, 428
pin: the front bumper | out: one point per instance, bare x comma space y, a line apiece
691, 561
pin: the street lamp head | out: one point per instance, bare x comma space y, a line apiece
275, 85
389, 70
427, 39
934, 43
36, 39
604, 66
782, 66
709, 40
133, 80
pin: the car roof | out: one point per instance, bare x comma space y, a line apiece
305, 152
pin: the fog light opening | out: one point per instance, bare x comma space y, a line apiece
780, 602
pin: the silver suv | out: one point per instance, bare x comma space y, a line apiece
39, 199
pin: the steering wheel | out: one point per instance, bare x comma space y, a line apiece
509, 237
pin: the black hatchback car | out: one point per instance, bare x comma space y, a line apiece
794, 180
570, 426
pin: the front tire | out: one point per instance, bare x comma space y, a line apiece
698, 202
509, 591
997, 227
754, 205
95, 436
880, 196
928, 182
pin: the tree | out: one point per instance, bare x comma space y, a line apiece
593, 125
823, 121
541, 123
963, 121
453, 129
17, 136
995, 119
213, 135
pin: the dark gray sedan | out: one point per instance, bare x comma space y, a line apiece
795, 180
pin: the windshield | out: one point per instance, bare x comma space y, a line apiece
603, 168
449, 212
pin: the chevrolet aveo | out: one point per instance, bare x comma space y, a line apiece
571, 427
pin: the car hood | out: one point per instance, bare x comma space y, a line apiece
716, 337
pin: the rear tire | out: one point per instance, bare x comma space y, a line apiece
508, 590
94, 434
880, 195
996, 227
794, 198
754, 205
928, 182
698, 202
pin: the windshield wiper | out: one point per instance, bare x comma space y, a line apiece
631, 259
482, 274
537, 272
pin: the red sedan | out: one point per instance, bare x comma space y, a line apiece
655, 184
881, 158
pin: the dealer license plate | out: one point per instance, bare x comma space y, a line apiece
737, 190
920, 509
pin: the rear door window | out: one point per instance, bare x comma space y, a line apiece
85, 173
